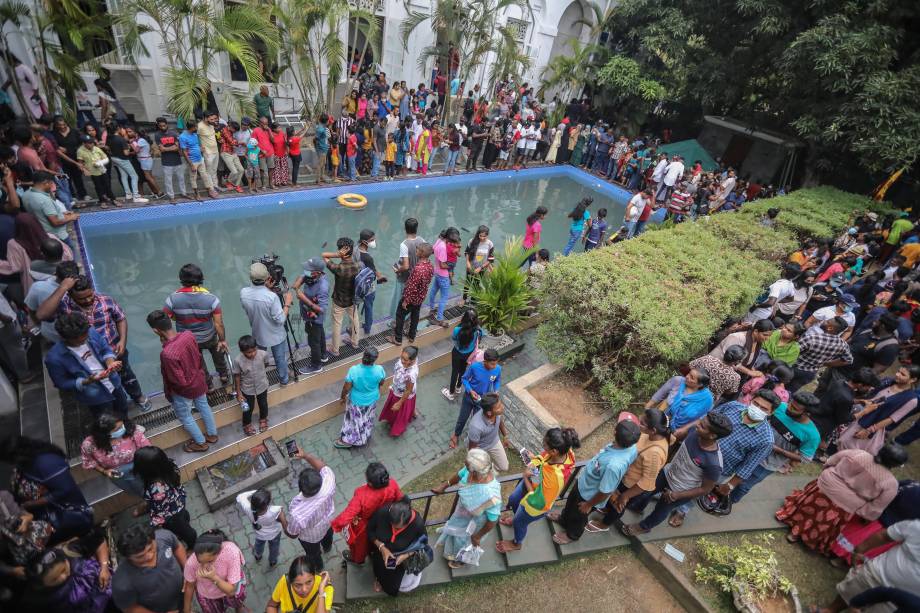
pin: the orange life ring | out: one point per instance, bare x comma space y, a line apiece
352, 201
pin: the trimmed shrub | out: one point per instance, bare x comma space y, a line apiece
629, 313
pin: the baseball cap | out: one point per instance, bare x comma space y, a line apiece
258, 272
86, 138
872, 216
313, 265
627, 416
246, 121
847, 299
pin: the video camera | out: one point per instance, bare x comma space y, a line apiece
275, 270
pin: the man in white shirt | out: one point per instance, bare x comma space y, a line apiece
658, 173
634, 210
532, 139
672, 173
780, 290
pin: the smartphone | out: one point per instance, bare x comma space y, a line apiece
291, 448
391, 562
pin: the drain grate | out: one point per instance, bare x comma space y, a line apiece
77, 419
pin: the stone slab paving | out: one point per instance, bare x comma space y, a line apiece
421, 447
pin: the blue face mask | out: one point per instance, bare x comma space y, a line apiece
118, 433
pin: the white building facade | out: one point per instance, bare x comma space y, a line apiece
543, 33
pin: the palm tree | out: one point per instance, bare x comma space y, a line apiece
467, 26
14, 14
193, 34
571, 71
509, 58
365, 23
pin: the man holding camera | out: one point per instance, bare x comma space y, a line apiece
267, 315
313, 293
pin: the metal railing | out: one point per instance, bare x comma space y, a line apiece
428, 495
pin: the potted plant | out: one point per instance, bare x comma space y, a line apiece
502, 297
750, 573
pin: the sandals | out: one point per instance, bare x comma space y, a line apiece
339, 444
263, 425
501, 547
455, 565
594, 527
249, 430
628, 530
561, 538
507, 521
193, 447
676, 520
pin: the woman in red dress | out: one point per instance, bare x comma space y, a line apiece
379, 490
852, 484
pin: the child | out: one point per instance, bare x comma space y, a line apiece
334, 151
453, 254
538, 269
252, 167
596, 230
252, 383
389, 160
268, 520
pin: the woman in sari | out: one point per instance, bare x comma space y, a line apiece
562, 156
852, 484
579, 148
683, 399
554, 147
905, 506
892, 402
399, 408
360, 394
423, 148
478, 508
43, 486
402, 149
379, 490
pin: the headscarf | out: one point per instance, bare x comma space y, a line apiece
29, 234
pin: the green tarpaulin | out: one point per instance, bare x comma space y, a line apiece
691, 151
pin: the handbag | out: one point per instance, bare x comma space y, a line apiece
477, 354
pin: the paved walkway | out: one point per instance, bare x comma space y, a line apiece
423, 445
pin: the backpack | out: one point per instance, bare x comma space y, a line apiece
364, 284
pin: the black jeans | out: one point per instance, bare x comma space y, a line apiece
179, 525
103, 187
316, 338
474, 154
262, 399
76, 179
295, 167
401, 311
457, 368
663, 509
572, 519
129, 379
315, 551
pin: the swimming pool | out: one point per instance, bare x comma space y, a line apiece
134, 255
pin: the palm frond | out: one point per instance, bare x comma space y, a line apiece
408, 25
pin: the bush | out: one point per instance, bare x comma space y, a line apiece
502, 296
629, 313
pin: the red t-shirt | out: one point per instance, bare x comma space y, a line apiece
351, 148
264, 138
646, 213
440, 84
280, 143
294, 145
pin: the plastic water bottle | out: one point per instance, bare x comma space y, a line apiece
244, 405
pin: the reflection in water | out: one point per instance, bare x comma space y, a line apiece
140, 268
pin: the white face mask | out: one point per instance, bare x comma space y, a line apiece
755, 413
372, 244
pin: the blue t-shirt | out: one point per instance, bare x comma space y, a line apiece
604, 472
481, 380
597, 229
468, 349
579, 224
454, 86
365, 383
322, 138
189, 142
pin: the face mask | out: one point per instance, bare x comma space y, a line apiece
755, 413
118, 433
372, 244
310, 280
847, 308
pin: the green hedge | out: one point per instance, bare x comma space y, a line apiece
632, 311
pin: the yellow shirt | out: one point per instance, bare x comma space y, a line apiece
207, 138
391, 152
911, 251
89, 159
282, 596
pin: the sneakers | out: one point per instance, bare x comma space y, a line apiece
446, 393
311, 370
144, 404
138, 199
325, 358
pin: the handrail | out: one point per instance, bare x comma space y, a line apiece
428, 495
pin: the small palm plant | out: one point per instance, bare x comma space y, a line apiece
502, 296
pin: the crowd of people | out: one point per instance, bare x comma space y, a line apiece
842, 318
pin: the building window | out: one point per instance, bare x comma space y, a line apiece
518, 27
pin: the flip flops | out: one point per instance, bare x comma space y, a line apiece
593, 527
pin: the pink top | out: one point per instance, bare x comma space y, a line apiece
362, 108
530, 234
228, 565
855, 483
440, 255
122, 451
753, 386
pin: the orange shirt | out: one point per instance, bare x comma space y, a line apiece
911, 251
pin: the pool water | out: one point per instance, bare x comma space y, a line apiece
135, 254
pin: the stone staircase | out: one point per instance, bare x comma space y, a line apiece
755, 512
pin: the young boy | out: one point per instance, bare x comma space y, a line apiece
252, 166
538, 269
596, 230
389, 160
251, 383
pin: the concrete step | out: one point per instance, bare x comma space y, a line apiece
590, 541
359, 582
490, 563
165, 431
538, 547
286, 419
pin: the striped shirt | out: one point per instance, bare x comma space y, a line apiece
194, 309
342, 125
103, 315
310, 518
